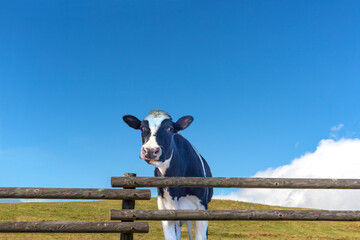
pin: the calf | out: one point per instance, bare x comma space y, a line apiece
174, 156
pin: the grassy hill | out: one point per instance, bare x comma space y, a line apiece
99, 211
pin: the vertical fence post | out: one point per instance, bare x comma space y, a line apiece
128, 204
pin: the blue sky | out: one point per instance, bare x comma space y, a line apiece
265, 81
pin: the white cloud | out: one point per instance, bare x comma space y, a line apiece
331, 159
335, 129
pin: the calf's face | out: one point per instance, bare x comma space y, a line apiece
157, 132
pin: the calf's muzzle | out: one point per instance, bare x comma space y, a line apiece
151, 153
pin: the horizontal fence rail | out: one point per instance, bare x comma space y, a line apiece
227, 182
75, 193
265, 215
74, 227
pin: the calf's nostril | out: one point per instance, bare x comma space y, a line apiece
157, 151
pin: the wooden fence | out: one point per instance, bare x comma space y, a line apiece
225, 182
129, 195
126, 227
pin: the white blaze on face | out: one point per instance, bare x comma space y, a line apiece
155, 118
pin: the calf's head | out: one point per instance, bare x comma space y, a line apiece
157, 132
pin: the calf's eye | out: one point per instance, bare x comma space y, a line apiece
170, 129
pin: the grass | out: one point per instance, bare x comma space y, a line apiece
219, 230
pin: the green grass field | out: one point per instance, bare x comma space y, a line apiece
99, 211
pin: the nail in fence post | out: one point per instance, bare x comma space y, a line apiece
128, 204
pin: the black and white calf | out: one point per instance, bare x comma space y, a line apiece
174, 156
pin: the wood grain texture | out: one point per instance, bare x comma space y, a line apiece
128, 204
75, 193
226, 182
74, 227
266, 215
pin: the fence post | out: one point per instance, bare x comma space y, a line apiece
128, 204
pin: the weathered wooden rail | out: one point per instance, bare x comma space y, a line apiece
75, 193
227, 182
73, 227
231, 215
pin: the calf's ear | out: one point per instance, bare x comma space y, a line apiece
183, 123
132, 121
